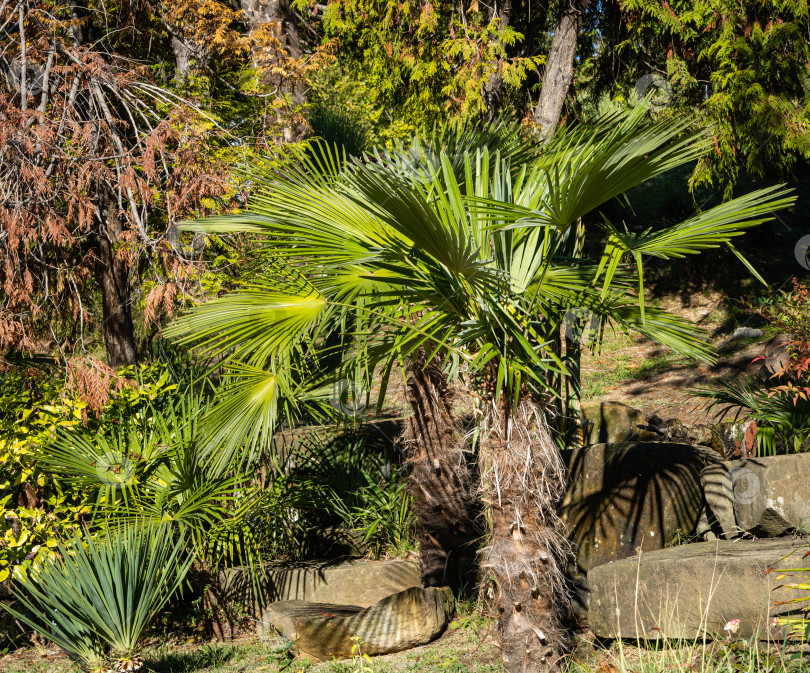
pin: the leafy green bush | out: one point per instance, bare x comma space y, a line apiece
790, 314
384, 515
342, 479
37, 507
338, 128
337, 88
783, 424
97, 596
150, 467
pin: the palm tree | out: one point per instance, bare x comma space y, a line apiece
434, 443
467, 258
150, 470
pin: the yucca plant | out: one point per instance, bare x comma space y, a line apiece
98, 595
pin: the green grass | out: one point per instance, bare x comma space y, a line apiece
597, 383
588, 656
467, 648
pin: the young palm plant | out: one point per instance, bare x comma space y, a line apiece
468, 258
154, 468
97, 596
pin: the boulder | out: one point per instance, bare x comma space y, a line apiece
767, 497
734, 439
612, 422
694, 590
625, 498
746, 333
325, 631
355, 581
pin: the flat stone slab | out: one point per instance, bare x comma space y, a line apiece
356, 582
626, 498
694, 589
326, 631
768, 496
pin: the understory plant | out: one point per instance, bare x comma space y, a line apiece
778, 398
151, 468
722, 653
37, 506
96, 597
339, 477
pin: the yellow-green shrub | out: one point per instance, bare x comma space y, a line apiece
36, 508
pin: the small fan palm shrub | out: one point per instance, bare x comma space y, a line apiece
97, 597
151, 468
36, 504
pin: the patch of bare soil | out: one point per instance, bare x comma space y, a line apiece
636, 371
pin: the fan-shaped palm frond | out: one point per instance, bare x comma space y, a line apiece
471, 253
156, 470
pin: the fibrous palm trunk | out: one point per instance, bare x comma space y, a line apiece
524, 478
439, 475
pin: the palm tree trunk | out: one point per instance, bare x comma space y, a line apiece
524, 479
439, 477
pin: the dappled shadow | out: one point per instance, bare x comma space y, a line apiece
626, 498
659, 383
340, 581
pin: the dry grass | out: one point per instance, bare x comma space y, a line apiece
703, 656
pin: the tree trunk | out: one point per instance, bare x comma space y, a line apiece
493, 88
258, 12
440, 478
524, 479
559, 67
182, 57
277, 13
112, 275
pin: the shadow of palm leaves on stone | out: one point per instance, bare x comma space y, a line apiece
630, 497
